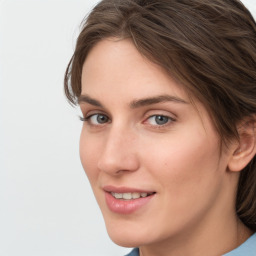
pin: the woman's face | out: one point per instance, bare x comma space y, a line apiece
152, 158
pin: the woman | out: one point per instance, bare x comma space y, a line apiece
168, 95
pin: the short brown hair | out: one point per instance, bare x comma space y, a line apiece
207, 45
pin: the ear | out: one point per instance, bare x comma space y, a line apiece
245, 149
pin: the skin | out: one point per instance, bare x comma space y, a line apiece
193, 210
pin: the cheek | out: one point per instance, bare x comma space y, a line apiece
188, 176
89, 151
185, 164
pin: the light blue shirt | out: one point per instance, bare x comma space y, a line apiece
248, 248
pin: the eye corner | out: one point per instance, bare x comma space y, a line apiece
81, 118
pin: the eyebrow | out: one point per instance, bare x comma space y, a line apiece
155, 100
88, 99
135, 103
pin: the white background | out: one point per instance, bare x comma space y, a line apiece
46, 204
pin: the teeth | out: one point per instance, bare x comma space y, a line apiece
129, 196
118, 195
135, 195
143, 194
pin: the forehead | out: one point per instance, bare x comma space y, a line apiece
117, 67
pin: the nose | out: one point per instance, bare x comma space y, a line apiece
119, 153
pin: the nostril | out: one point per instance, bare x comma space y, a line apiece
118, 164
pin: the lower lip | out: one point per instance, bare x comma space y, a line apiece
126, 206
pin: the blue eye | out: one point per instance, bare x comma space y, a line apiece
99, 119
96, 119
159, 120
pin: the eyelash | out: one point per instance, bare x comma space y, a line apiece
88, 118
169, 120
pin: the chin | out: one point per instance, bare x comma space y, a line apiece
128, 234
127, 238
123, 242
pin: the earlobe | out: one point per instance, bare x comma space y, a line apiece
246, 148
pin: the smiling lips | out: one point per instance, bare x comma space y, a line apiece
129, 196
120, 200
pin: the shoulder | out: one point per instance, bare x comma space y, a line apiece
248, 248
134, 252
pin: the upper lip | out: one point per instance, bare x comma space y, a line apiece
110, 188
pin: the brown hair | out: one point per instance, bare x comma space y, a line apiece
207, 45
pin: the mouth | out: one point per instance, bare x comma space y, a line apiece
131, 196
127, 200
